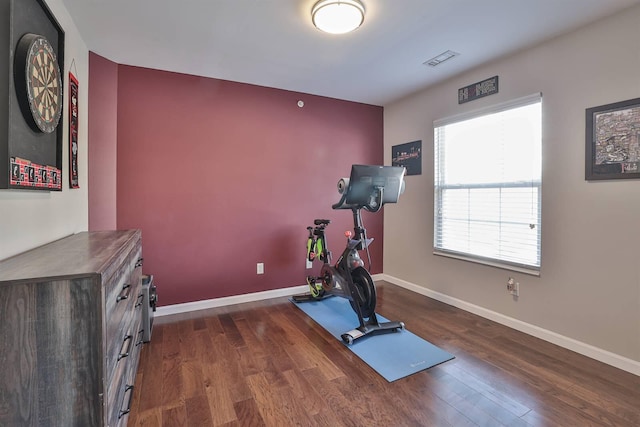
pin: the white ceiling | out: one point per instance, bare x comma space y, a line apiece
273, 42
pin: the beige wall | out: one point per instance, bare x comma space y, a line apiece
31, 218
589, 286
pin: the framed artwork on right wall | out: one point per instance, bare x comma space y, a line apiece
613, 141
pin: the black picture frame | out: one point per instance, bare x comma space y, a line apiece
478, 90
408, 155
22, 149
613, 141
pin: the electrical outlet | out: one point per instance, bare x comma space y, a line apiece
309, 264
260, 268
513, 287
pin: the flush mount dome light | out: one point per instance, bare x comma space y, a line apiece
337, 16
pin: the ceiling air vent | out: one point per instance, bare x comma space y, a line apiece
439, 59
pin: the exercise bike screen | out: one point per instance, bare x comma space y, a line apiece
366, 178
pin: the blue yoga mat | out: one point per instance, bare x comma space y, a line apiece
393, 355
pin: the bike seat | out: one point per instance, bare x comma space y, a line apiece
321, 221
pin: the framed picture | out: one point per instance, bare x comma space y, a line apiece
73, 131
31, 114
613, 141
408, 155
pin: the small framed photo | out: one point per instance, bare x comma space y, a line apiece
613, 141
408, 155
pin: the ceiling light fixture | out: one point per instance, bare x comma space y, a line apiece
337, 16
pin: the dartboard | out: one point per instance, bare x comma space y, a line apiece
38, 82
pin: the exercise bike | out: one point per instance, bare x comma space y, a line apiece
368, 187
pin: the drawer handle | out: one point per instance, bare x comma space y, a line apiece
124, 354
138, 263
141, 337
128, 389
139, 300
122, 296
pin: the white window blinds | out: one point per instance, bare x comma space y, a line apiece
488, 185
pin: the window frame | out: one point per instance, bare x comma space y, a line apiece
438, 189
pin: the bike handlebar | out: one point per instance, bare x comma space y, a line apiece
373, 205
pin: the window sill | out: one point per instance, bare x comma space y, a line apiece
492, 263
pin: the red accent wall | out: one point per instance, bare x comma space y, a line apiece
222, 175
103, 111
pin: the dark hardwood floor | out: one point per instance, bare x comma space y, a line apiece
267, 364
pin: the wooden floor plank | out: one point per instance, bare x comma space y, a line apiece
150, 418
266, 363
198, 412
228, 364
172, 384
491, 393
192, 378
276, 404
248, 413
312, 402
343, 409
415, 397
307, 357
175, 416
151, 385
219, 394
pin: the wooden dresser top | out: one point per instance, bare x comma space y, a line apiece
77, 255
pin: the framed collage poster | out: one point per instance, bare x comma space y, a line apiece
613, 141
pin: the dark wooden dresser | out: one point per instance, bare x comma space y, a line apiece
70, 338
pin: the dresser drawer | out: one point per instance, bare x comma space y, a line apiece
120, 288
120, 390
121, 298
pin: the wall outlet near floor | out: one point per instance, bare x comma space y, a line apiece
309, 264
513, 287
260, 268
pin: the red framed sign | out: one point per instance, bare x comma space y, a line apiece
73, 131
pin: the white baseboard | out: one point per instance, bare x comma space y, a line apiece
186, 307
588, 350
235, 299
